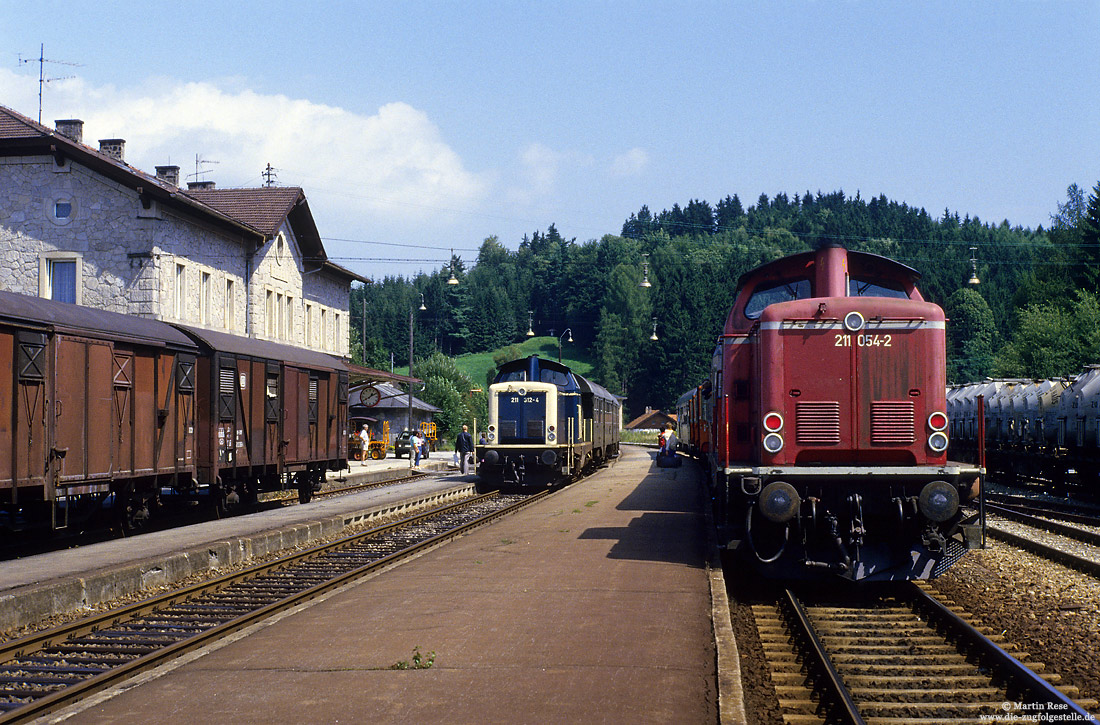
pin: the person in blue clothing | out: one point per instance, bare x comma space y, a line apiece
415, 443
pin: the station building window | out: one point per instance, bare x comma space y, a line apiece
59, 277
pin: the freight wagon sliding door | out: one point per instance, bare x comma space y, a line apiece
8, 395
83, 418
23, 428
272, 416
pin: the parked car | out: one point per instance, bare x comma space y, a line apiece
401, 445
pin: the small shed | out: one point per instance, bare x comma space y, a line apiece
652, 420
392, 406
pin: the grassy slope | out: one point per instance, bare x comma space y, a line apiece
477, 365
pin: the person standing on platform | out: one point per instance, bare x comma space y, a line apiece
464, 446
414, 448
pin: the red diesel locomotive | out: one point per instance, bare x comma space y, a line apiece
824, 423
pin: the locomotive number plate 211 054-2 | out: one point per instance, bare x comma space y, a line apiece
842, 340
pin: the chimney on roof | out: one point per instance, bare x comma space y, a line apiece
113, 147
72, 128
169, 174
200, 185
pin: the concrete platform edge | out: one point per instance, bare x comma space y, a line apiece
731, 701
35, 602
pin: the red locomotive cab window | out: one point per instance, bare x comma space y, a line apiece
770, 294
877, 288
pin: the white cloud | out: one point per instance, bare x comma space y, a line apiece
630, 163
392, 164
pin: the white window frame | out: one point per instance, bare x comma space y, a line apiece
309, 325
269, 315
289, 318
204, 298
179, 291
45, 273
229, 318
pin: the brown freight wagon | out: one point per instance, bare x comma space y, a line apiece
270, 416
96, 403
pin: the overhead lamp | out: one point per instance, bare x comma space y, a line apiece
653, 337
422, 307
973, 266
645, 272
452, 279
530, 328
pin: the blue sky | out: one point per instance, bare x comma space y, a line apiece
419, 126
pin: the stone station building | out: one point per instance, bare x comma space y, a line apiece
81, 225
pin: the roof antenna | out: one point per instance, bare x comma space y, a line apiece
42, 79
269, 175
199, 171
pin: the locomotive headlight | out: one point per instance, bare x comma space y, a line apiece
551, 437
938, 441
773, 443
854, 322
779, 502
773, 422
937, 421
938, 501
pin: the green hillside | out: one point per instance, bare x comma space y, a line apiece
478, 365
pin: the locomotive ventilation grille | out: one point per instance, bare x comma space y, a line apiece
892, 422
817, 422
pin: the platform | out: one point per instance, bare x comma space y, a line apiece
593, 605
68, 580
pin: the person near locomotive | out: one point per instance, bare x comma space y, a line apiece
414, 448
464, 446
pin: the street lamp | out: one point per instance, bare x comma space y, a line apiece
973, 266
422, 307
452, 279
409, 426
653, 337
645, 272
530, 328
568, 331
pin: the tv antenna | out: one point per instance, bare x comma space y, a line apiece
199, 171
42, 60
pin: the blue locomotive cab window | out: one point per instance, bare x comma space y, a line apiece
876, 288
554, 377
514, 376
766, 296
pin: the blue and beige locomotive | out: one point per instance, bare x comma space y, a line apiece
546, 423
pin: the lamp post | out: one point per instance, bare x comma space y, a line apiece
409, 425
653, 337
530, 329
568, 331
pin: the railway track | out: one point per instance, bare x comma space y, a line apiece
1074, 546
56, 668
900, 659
